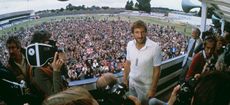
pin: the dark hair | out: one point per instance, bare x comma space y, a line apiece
206, 34
43, 36
210, 39
15, 40
40, 36
138, 24
213, 89
220, 38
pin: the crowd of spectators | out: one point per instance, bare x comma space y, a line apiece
97, 46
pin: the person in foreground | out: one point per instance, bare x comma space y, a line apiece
142, 67
113, 92
17, 62
212, 89
201, 58
71, 96
47, 79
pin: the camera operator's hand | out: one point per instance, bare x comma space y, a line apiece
197, 76
206, 67
62, 55
57, 63
174, 95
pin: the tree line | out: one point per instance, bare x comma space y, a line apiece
141, 5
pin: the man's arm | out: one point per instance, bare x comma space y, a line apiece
126, 72
193, 67
57, 81
173, 96
155, 79
156, 72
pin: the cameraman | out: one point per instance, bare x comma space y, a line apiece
71, 96
18, 68
113, 93
17, 62
212, 89
48, 78
223, 62
201, 58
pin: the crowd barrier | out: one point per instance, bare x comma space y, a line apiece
170, 71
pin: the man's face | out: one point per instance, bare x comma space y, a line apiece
209, 49
194, 34
219, 44
13, 50
139, 35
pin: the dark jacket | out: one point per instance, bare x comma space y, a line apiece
17, 72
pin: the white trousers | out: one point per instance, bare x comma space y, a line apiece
138, 90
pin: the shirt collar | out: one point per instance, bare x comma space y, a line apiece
147, 43
23, 60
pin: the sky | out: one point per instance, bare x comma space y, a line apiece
7, 6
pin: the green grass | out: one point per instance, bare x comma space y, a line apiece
180, 27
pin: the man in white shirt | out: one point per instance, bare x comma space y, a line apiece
142, 67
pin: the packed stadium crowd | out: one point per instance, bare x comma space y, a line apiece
85, 47
97, 46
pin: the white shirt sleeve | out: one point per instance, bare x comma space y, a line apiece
157, 58
128, 52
